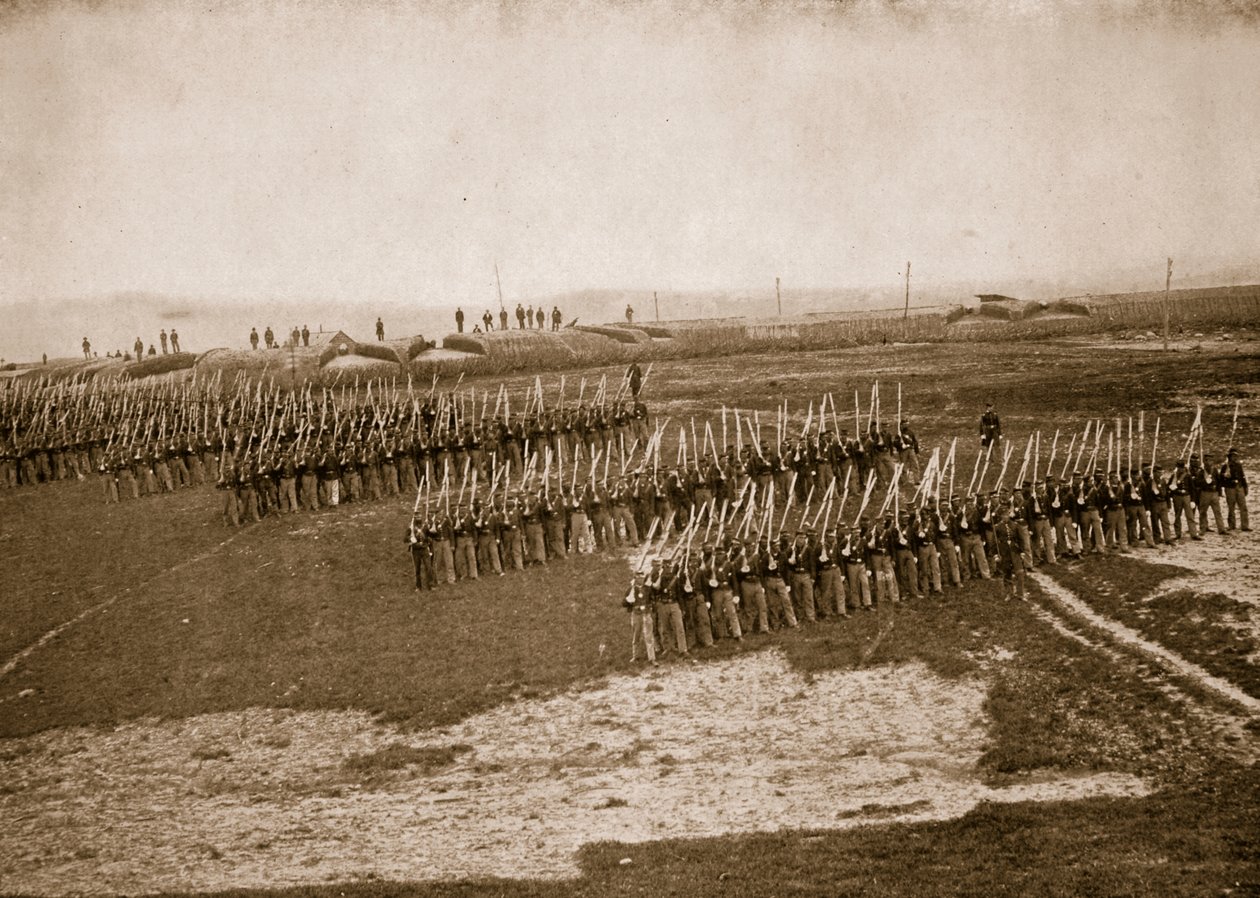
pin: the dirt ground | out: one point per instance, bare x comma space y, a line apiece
261, 798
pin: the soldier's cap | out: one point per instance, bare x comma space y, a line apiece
1049, 478
865, 519
1194, 456
888, 515
1181, 463
1027, 484
1232, 451
1159, 467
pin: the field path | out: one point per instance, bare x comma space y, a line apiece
12, 663
1067, 600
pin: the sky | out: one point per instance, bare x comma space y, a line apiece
368, 151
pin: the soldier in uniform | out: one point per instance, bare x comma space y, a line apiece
666, 588
1207, 493
853, 551
638, 602
802, 571
1180, 487
1234, 481
990, 427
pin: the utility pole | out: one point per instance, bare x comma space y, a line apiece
778, 296
1167, 298
497, 285
656, 302
907, 314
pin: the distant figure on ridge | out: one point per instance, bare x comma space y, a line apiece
162, 340
502, 318
138, 346
270, 336
556, 318
380, 329
541, 318
529, 316
520, 316
174, 341
488, 320
459, 320
306, 336
87, 348
629, 314
295, 337
152, 351
253, 337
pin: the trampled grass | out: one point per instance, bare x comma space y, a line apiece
1201, 627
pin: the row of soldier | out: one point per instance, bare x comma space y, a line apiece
734, 586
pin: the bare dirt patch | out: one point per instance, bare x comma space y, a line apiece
266, 798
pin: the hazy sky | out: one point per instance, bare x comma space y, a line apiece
372, 150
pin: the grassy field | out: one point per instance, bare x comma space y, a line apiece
181, 617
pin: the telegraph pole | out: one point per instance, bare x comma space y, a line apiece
656, 302
1167, 298
778, 296
907, 314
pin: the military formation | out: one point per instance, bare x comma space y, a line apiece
752, 527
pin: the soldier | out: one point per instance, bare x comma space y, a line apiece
520, 316
853, 551
971, 540
829, 596
109, 468
162, 340
1234, 481
945, 528
306, 336
253, 337
488, 320
1208, 493
802, 571
778, 601
1037, 511
287, 471
748, 573
174, 341
629, 314
990, 427
380, 331
1160, 498
906, 445
138, 346
459, 320
417, 540
666, 588
529, 317
535, 536
1010, 558
511, 536
928, 559
503, 318
720, 579
622, 518
556, 318
488, 524
638, 602
270, 336
227, 484
905, 552
541, 317
465, 528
